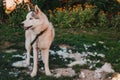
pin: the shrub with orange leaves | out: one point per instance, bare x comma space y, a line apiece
10, 5
118, 1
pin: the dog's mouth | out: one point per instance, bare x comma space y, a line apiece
26, 28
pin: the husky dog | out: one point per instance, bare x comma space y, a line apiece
39, 34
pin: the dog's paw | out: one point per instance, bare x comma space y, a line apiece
33, 74
49, 74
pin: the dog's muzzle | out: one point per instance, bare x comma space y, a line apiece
26, 28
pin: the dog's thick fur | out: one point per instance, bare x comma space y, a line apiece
36, 22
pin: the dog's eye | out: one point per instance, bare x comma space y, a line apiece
31, 18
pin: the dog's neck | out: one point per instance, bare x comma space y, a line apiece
38, 29
38, 35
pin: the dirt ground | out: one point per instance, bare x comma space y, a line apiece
84, 74
90, 75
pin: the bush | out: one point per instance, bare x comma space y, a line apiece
77, 19
62, 19
86, 18
103, 21
116, 22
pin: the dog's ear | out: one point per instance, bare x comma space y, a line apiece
37, 9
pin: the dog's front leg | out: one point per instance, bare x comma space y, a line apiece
35, 61
45, 58
28, 46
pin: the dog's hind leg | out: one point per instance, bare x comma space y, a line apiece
45, 58
35, 60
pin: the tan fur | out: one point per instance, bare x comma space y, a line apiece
43, 42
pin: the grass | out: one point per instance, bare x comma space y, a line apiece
75, 37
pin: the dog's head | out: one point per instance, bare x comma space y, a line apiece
33, 19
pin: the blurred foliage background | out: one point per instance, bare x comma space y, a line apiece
83, 13
65, 14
